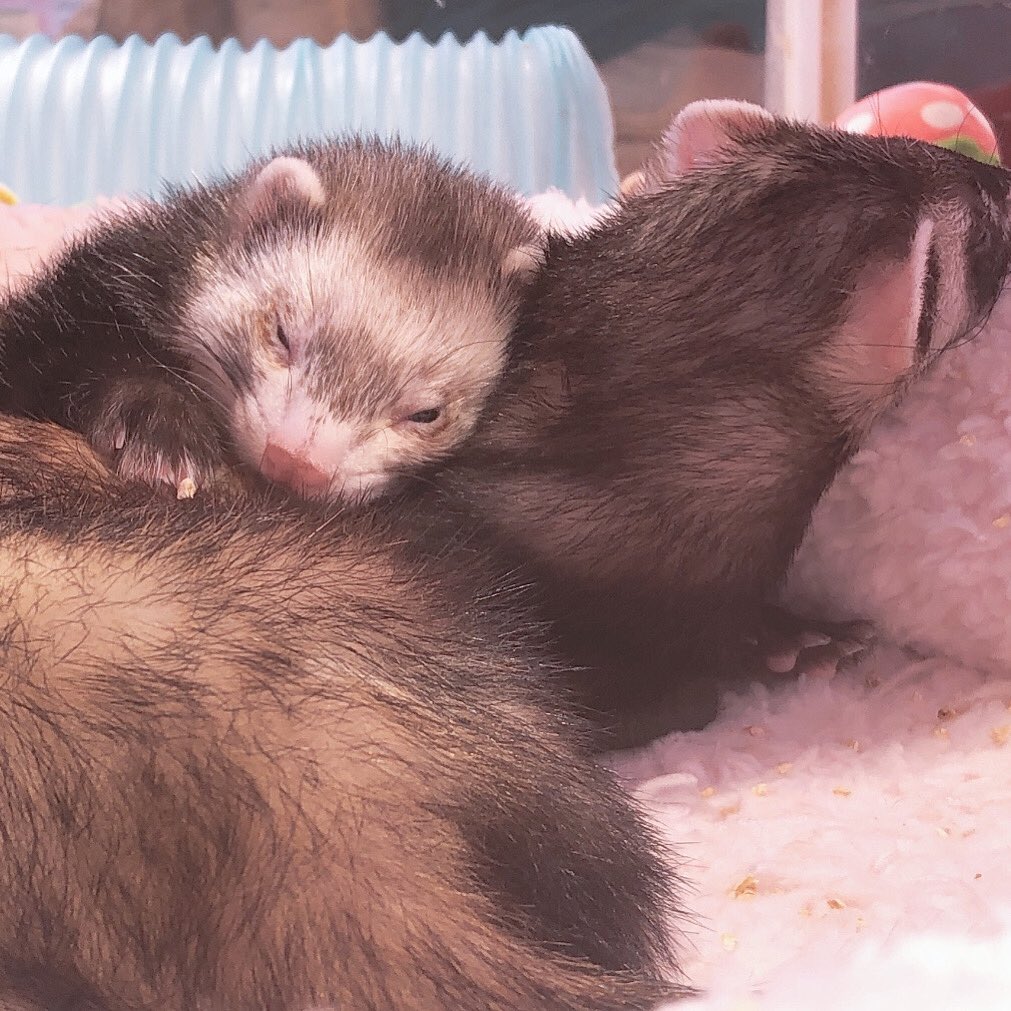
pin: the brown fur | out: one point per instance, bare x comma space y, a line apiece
136, 335
688, 376
255, 757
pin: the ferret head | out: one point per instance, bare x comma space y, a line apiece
762, 295
868, 256
355, 316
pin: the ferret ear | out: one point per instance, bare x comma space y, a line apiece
888, 327
522, 262
696, 137
701, 130
283, 179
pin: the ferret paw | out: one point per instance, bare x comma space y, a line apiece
790, 645
161, 443
177, 469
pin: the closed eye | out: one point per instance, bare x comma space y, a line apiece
928, 308
282, 338
425, 417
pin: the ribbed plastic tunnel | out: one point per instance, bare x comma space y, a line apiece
82, 119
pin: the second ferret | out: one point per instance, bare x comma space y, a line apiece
688, 376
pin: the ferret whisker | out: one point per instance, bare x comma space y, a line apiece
112, 325
308, 274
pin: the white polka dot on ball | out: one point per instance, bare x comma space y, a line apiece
860, 123
942, 115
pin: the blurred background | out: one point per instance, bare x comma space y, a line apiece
654, 55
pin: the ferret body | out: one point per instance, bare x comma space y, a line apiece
683, 381
330, 316
258, 758
261, 758
688, 375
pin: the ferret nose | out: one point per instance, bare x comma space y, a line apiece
295, 471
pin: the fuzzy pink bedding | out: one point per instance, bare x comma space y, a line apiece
845, 838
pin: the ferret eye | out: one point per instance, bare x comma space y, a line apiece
282, 338
425, 417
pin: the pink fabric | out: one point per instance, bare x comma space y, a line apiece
31, 232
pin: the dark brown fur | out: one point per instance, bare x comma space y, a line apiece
686, 379
253, 757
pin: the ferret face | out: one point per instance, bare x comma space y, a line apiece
338, 361
724, 339
336, 374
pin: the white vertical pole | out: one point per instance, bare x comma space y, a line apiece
810, 57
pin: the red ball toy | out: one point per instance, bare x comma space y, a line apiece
937, 113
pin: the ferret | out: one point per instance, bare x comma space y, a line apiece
687, 376
260, 756
330, 316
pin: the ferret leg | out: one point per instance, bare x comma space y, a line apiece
154, 428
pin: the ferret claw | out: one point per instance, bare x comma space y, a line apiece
791, 645
810, 637
186, 488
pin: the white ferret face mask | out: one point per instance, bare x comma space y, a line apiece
337, 370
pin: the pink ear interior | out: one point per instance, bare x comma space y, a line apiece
281, 179
701, 130
523, 261
884, 315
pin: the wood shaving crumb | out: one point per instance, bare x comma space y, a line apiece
854, 745
760, 789
784, 767
835, 904
977, 876
186, 488
709, 791
842, 791
756, 731
968, 440
747, 886
1000, 735
729, 941
730, 809
1002, 521
941, 732
945, 713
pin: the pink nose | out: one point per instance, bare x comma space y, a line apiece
295, 471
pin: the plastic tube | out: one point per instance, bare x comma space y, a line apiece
83, 119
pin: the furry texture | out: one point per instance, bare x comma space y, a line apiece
255, 756
868, 812
333, 316
915, 534
846, 840
846, 836
685, 381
